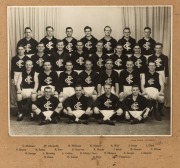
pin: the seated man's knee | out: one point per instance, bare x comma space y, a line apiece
160, 99
96, 110
119, 112
34, 107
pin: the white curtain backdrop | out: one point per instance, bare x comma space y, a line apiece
136, 18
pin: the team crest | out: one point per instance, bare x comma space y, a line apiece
127, 46
108, 45
158, 62
134, 106
68, 80
147, 45
48, 105
40, 61
49, 45
108, 81
88, 45
151, 81
48, 80
88, 80
129, 79
80, 60
27, 47
118, 62
28, 79
69, 47
77, 106
100, 62
138, 63
20, 63
59, 63
108, 103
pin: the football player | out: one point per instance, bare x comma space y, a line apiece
152, 86
69, 41
109, 43
28, 43
78, 107
47, 107
127, 42
89, 41
136, 106
107, 107
49, 41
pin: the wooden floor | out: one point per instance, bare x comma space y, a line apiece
151, 127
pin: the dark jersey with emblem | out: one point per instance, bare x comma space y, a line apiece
50, 45
78, 104
152, 80
135, 105
106, 79
28, 80
147, 46
89, 45
29, 45
128, 45
161, 63
17, 64
70, 47
47, 104
38, 62
67, 80
58, 61
45, 79
139, 63
79, 60
119, 62
107, 103
128, 79
88, 80
109, 46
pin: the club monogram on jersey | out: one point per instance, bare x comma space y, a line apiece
88, 80
68, 80
109, 81
88, 45
77, 106
158, 62
127, 46
48, 80
118, 62
108, 103
151, 81
138, 63
147, 45
48, 105
129, 79
108, 45
28, 79
27, 47
69, 47
59, 63
49, 45
80, 60
40, 61
20, 63
134, 106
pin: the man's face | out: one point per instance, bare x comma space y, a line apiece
107, 89
47, 66
21, 51
49, 32
152, 67
28, 65
47, 93
28, 33
127, 33
60, 46
79, 46
69, 32
88, 32
78, 91
88, 65
69, 66
135, 91
147, 33
158, 49
109, 65
137, 50
119, 49
40, 48
107, 31
129, 65
99, 46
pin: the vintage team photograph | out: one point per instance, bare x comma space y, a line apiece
90, 70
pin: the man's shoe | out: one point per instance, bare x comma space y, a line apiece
20, 117
135, 121
158, 117
54, 121
84, 122
100, 122
70, 121
109, 122
44, 122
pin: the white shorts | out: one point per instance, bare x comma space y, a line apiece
29, 55
47, 114
68, 91
16, 77
112, 90
26, 93
42, 89
107, 114
59, 72
118, 71
127, 90
78, 113
88, 90
136, 114
78, 71
162, 73
152, 92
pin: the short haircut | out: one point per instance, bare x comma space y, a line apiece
59, 41
40, 43
68, 61
87, 27
107, 27
79, 41
78, 85
119, 44
109, 59
47, 61
108, 85
151, 62
147, 28
27, 28
100, 41
129, 59
127, 28
20, 45
137, 45
47, 87
69, 28
159, 44
49, 27
29, 60
135, 86
88, 60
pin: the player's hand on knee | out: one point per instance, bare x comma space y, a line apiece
94, 92
161, 94
88, 111
119, 112
127, 115
96, 110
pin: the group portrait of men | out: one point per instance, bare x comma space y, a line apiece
108, 80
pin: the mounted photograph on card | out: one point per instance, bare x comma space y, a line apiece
90, 70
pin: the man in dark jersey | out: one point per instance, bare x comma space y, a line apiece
89, 41
47, 107
107, 107
89, 80
78, 107
147, 44
59, 58
27, 86
28, 42
152, 86
136, 106
69, 41
49, 41
17, 64
109, 43
127, 42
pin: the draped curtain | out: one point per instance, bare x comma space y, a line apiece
136, 18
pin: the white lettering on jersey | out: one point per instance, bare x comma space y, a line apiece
108, 45
68, 80
28, 79
88, 80
129, 79
151, 81
147, 45
49, 45
20, 63
48, 80
107, 103
108, 81
100, 62
59, 63
138, 63
118, 62
127, 46
88, 45
27, 47
69, 47
77, 106
158, 62
134, 106
40, 61
80, 60
47, 105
